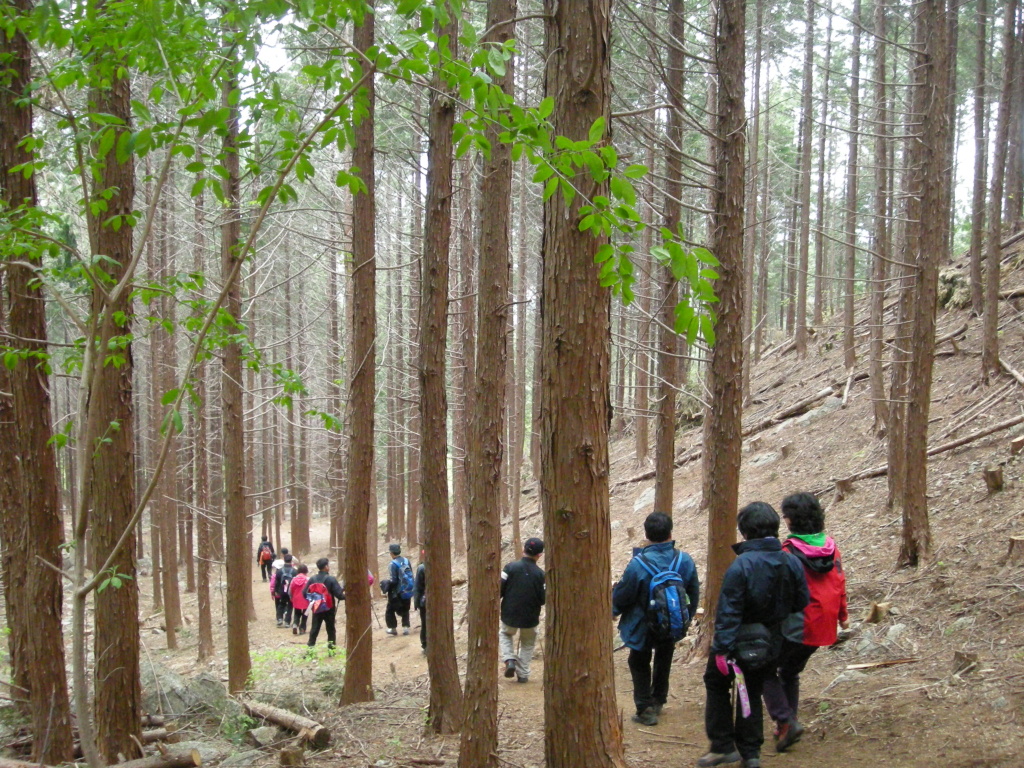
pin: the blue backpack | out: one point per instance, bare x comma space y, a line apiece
406, 581
667, 610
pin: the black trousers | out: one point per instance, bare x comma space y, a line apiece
397, 606
423, 626
284, 610
726, 727
327, 619
299, 618
266, 569
782, 690
650, 686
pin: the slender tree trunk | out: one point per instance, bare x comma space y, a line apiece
804, 203
935, 164
750, 244
445, 713
641, 396
990, 326
980, 161
415, 461
820, 290
233, 427
762, 289
359, 512
1013, 186
518, 429
30, 520
880, 229
723, 424
849, 341
583, 729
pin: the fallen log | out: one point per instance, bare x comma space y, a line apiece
951, 335
24, 744
177, 760
1010, 370
309, 730
793, 410
1012, 293
883, 469
686, 458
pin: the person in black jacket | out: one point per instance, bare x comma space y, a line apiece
325, 586
522, 596
419, 597
265, 558
282, 592
763, 586
398, 606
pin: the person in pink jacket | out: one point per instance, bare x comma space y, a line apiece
299, 602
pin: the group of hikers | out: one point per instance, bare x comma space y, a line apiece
779, 602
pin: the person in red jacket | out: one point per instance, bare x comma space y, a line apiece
815, 627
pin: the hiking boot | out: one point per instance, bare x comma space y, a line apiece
280, 623
658, 708
405, 631
647, 717
522, 679
752, 762
510, 668
392, 632
718, 758
788, 735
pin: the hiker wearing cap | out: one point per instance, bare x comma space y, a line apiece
655, 599
761, 588
323, 593
401, 587
265, 558
280, 588
522, 596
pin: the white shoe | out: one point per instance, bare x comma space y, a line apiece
391, 632
405, 631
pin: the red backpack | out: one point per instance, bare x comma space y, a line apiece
320, 600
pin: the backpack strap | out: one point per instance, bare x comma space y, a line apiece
645, 564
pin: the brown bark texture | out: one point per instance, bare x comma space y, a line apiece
445, 712
358, 640
583, 729
977, 253
849, 343
804, 205
880, 229
723, 425
30, 521
484, 451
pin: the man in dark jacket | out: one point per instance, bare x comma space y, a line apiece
398, 606
282, 592
265, 558
763, 586
629, 600
522, 596
419, 597
323, 592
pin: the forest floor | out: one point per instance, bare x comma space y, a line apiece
967, 599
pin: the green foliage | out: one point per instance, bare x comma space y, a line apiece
113, 578
235, 727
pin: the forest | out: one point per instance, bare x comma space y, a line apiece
342, 273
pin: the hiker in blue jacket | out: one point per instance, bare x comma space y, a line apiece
398, 604
630, 599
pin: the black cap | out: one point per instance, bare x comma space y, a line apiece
533, 547
287, 558
394, 549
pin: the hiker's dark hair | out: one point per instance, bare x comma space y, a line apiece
658, 527
758, 520
804, 513
303, 569
322, 563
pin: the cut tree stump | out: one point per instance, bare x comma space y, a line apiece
877, 612
844, 488
786, 449
1017, 445
308, 730
1014, 553
293, 757
993, 478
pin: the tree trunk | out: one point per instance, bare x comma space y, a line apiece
819, 229
990, 326
112, 474
804, 204
980, 161
583, 729
519, 381
445, 713
881, 240
30, 520
415, 500
723, 424
358, 640
849, 342
935, 164
667, 366
233, 428
751, 210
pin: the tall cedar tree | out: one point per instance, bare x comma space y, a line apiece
358, 640
30, 520
880, 229
233, 426
484, 447
849, 345
112, 472
583, 729
990, 326
665, 454
980, 161
722, 427
445, 713
935, 165
804, 236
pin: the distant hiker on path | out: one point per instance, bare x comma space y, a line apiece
522, 596
299, 601
323, 593
816, 627
419, 598
265, 557
401, 587
280, 584
655, 597
762, 587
